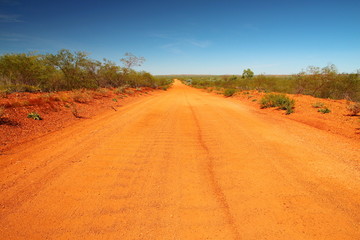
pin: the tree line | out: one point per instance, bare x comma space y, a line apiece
67, 70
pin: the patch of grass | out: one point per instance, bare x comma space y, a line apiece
34, 115
324, 110
254, 100
278, 100
81, 97
318, 105
128, 91
229, 92
115, 100
354, 108
101, 92
120, 90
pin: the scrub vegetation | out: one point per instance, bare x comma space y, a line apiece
318, 82
66, 70
324, 82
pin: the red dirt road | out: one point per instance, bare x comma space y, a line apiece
182, 164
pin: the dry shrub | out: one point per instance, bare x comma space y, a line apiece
104, 92
354, 108
129, 91
81, 96
64, 97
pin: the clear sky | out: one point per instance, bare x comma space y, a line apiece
191, 36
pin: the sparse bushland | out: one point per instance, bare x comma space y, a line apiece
68, 70
324, 82
278, 100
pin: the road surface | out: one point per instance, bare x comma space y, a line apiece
182, 164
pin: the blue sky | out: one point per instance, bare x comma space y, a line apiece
191, 37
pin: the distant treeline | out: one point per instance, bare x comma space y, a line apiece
323, 82
68, 70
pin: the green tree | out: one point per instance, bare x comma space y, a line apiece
28, 69
247, 73
75, 68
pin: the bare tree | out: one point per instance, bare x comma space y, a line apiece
130, 61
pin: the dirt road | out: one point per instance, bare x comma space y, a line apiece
183, 164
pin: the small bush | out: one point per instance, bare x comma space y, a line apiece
229, 92
81, 97
318, 105
278, 100
102, 92
165, 87
354, 109
34, 115
120, 90
114, 99
324, 110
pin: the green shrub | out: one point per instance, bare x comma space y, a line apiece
324, 110
354, 109
278, 100
34, 115
114, 99
318, 105
229, 92
165, 87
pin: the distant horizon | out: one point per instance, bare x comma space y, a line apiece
191, 37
